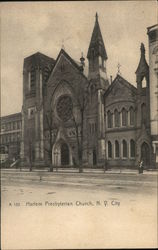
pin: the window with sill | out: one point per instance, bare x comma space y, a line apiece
117, 118
132, 148
109, 119
109, 149
131, 112
124, 144
124, 117
117, 150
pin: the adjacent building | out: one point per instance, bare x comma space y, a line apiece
10, 135
153, 62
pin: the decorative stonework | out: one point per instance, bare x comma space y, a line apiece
64, 107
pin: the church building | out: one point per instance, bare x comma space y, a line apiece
71, 117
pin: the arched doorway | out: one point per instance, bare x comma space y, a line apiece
145, 154
64, 154
94, 157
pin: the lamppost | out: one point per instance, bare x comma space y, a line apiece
105, 163
30, 149
56, 159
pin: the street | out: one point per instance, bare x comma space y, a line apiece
44, 210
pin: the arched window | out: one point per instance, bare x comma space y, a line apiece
109, 149
144, 83
124, 143
143, 113
124, 117
109, 118
132, 148
117, 118
117, 149
131, 112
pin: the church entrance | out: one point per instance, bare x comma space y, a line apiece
94, 157
145, 154
64, 154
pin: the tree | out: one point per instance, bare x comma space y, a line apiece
30, 143
50, 129
78, 116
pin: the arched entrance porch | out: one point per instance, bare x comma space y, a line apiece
62, 154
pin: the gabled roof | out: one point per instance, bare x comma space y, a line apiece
120, 79
143, 67
38, 59
97, 42
75, 64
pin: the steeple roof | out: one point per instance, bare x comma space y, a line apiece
97, 43
143, 67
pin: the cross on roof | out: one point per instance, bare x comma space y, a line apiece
118, 67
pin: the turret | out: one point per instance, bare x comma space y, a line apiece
142, 72
97, 55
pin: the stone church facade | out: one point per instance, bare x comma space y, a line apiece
69, 117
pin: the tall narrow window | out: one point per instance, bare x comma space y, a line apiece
33, 79
131, 112
132, 148
143, 113
124, 117
29, 81
117, 118
109, 118
109, 149
144, 84
117, 149
124, 148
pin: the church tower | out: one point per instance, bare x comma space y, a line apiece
97, 76
142, 79
143, 138
36, 70
97, 55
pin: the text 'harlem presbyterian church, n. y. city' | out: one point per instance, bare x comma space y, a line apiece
72, 116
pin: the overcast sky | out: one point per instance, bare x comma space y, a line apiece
28, 27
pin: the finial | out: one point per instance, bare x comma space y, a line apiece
82, 59
96, 16
118, 67
142, 49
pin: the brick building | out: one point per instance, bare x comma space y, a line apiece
70, 116
10, 135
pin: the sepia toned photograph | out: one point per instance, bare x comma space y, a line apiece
79, 125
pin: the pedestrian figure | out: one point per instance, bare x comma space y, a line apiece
140, 167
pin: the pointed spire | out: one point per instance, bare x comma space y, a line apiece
143, 67
96, 16
142, 49
96, 46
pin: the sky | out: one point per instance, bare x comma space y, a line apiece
29, 27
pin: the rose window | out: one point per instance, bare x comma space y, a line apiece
64, 108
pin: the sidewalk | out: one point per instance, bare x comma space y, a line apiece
85, 171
